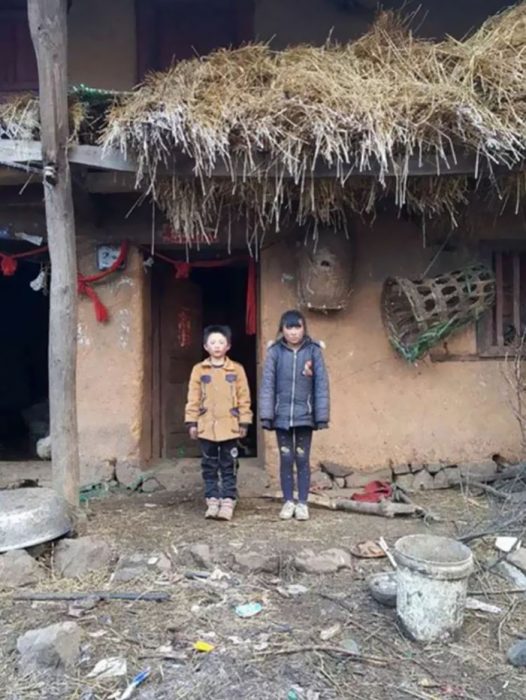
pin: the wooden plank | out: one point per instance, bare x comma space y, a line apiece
48, 25
517, 294
499, 307
112, 159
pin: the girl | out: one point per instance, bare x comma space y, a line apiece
294, 401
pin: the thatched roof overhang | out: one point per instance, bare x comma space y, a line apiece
313, 133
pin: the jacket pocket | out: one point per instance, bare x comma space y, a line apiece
309, 405
276, 405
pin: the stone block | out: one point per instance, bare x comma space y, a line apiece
320, 481
405, 481
453, 476
336, 469
201, 554
434, 468
479, 471
440, 480
326, 562
423, 481
18, 568
257, 562
78, 558
398, 469
128, 473
56, 647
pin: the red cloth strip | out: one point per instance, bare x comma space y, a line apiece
85, 284
8, 261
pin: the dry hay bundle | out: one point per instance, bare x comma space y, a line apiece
376, 102
20, 119
20, 116
418, 314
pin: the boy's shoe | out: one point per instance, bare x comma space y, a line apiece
226, 510
302, 511
287, 511
212, 509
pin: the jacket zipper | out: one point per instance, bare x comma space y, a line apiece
293, 388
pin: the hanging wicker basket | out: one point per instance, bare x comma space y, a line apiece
325, 272
418, 314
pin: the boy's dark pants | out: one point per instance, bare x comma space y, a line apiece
219, 466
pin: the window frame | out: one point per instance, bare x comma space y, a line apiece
17, 13
486, 347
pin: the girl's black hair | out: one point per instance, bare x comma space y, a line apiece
292, 319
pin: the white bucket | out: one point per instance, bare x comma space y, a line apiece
432, 579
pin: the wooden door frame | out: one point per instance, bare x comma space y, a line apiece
155, 349
156, 425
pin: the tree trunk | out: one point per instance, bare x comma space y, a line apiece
48, 25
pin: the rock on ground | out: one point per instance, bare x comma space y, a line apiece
518, 559
17, 568
336, 469
257, 562
320, 480
133, 566
326, 562
54, 647
77, 558
517, 653
44, 447
201, 554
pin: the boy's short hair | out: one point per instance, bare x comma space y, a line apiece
224, 330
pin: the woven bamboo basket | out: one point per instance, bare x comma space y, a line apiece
325, 272
418, 314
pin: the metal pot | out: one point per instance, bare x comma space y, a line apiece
30, 516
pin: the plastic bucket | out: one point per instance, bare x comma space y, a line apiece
432, 579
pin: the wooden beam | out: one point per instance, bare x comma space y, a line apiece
48, 25
182, 166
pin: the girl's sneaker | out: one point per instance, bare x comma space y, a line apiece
226, 510
212, 508
287, 512
302, 511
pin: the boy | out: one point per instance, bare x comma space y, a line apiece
218, 414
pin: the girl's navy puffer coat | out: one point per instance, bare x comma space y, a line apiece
295, 387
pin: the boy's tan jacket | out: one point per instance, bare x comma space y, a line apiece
218, 400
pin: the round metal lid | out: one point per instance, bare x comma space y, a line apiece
30, 516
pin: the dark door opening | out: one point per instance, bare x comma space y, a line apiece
24, 329
182, 309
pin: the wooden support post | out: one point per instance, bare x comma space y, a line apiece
48, 25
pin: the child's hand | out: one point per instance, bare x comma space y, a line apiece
243, 430
193, 432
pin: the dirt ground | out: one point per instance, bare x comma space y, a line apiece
279, 653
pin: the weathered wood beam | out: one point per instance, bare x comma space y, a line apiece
114, 161
48, 25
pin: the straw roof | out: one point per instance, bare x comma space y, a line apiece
380, 100
377, 102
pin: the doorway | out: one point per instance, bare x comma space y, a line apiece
182, 308
24, 333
